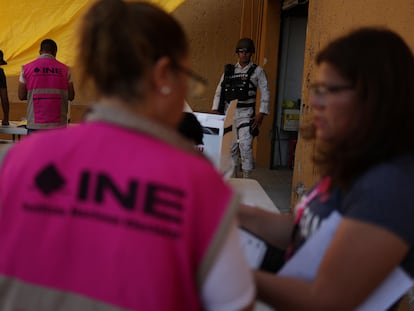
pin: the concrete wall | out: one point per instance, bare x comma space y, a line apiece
328, 19
213, 28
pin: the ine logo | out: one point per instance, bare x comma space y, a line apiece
156, 200
49, 180
48, 70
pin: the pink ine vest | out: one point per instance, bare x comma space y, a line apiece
100, 216
47, 93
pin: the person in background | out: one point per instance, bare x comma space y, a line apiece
47, 86
120, 212
240, 81
363, 103
4, 97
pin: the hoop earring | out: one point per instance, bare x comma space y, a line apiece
165, 90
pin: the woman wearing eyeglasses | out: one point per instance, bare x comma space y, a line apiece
362, 208
121, 212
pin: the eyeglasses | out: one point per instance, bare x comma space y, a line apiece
324, 89
197, 83
246, 51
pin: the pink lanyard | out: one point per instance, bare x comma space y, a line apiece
322, 187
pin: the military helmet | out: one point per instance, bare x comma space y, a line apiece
245, 43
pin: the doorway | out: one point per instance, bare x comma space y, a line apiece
289, 85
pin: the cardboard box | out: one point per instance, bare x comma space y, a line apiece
218, 137
291, 119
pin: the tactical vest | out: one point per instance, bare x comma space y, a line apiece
237, 86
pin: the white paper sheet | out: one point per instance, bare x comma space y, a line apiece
253, 247
305, 262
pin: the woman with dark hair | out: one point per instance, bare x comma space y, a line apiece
121, 212
363, 104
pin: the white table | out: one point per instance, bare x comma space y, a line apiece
13, 129
252, 193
